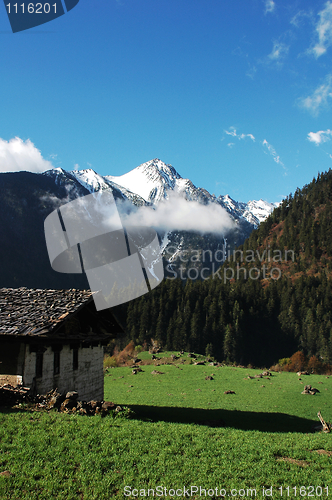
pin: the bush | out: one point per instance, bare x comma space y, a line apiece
123, 357
109, 362
283, 361
298, 362
314, 365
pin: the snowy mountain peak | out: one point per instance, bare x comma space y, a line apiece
261, 209
154, 180
89, 179
55, 172
151, 180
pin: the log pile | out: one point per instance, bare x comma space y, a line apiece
10, 396
65, 403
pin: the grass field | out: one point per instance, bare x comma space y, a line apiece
266, 442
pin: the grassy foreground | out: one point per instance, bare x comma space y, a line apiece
267, 441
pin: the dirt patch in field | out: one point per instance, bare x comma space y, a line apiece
301, 463
323, 452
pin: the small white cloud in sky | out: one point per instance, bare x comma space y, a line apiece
279, 51
319, 97
17, 155
232, 132
323, 31
300, 17
251, 72
269, 6
230, 144
320, 136
273, 153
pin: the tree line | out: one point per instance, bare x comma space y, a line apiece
258, 320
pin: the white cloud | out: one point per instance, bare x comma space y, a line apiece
251, 72
320, 136
269, 6
273, 153
323, 31
176, 213
230, 144
17, 155
243, 136
319, 98
232, 132
300, 17
279, 51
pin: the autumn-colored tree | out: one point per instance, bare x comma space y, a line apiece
298, 362
128, 352
315, 365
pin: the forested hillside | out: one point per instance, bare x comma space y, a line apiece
275, 304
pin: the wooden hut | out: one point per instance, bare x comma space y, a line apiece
54, 339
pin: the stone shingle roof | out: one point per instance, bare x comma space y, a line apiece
29, 312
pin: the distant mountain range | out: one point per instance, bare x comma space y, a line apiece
153, 181
27, 199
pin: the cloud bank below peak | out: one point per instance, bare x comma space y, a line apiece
178, 214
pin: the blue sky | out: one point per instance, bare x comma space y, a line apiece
235, 94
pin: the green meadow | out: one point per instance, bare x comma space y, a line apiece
172, 441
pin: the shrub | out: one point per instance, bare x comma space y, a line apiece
109, 362
129, 349
124, 357
315, 365
298, 362
283, 361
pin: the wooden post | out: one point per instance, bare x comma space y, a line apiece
325, 426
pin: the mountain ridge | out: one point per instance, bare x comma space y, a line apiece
153, 181
28, 198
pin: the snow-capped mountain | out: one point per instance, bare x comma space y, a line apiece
254, 211
153, 181
28, 198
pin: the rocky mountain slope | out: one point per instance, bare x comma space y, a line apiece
28, 198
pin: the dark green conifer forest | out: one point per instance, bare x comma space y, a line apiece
254, 318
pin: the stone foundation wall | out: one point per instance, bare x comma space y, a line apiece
87, 380
13, 380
